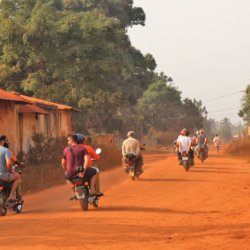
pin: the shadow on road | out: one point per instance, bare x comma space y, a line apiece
167, 180
149, 210
218, 168
218, 172
221, 163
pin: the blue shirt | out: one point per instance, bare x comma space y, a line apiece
201, 139
4, 154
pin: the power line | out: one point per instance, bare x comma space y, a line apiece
220, 110
225, 114
223, 96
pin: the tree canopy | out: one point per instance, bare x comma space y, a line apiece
78, 52
245, 110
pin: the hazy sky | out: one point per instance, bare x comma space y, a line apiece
204, 45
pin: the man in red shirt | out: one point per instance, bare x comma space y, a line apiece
75, 156
92, 155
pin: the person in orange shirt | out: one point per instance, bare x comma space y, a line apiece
84, 141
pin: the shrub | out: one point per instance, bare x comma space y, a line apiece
43, 162
46, 150
241, 147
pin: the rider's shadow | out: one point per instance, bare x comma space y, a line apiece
149, 210
164, 180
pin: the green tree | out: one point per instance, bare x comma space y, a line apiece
211, 127
225, 130
160, 104
78, 52
192, 114
120, 9
245, 110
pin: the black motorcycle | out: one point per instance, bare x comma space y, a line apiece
6, 205
186, 160
201, 154
82, 192
82, 187
131, 161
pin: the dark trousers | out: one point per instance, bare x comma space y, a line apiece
138, 164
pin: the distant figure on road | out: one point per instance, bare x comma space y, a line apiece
217, 143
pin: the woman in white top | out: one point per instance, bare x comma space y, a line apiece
185, 143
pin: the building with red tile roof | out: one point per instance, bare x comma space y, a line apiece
22, 116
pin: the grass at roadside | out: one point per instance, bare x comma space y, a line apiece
239, 149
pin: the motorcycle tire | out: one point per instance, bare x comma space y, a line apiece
202, 158
185, 165
3, 209
95, 203
84, 204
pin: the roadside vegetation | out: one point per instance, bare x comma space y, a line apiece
241, 146
78, 52
43, 162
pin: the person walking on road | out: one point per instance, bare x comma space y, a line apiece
217, 143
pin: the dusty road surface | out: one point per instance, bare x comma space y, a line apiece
205, 208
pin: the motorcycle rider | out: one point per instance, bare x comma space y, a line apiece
177, 145
6, 173
185, 144
75, 156
217, 143
17, 162
92, 155
201, 142
13, 157
132, 146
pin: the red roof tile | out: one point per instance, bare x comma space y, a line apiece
31, 108
53, 104
16, 97
4, 95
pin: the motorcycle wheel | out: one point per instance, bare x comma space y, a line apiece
202, 157
185, 165
95, 203
84, 204
3, 209
132, 175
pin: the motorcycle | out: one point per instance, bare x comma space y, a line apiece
6, 205
186, 160
131, 160
201, 154
82, 189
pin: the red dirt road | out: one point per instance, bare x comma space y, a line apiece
205, 208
